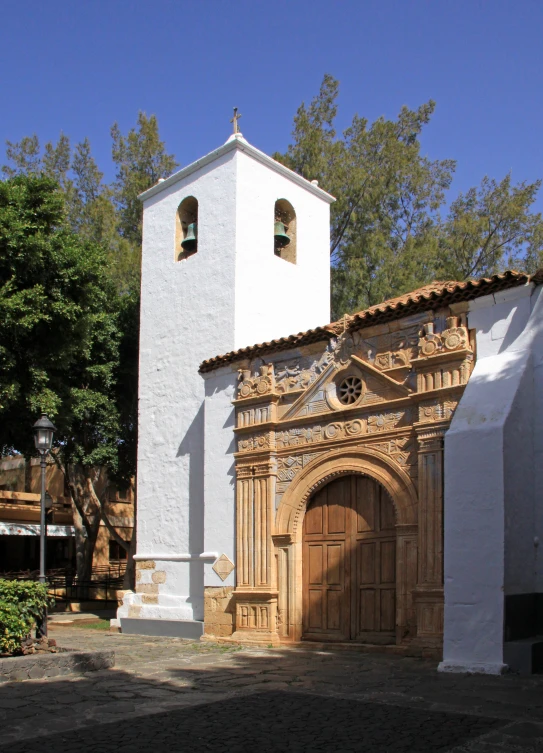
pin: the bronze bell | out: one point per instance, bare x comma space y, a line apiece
280, 236
190, 240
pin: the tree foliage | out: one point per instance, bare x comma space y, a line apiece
60, 344
387, 231
69, 293
22, 606
140, 159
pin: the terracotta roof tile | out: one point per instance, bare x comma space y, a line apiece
429, 297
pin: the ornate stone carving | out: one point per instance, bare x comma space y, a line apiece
308, 457
431, 440
430, 343
287, 468
388, 431
383, 421
391, 360
436, 410
454, 337
401, 450
259, 384
297, 375
255, 415
451, 339
300, 436
255, 442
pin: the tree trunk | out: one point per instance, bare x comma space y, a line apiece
86, 517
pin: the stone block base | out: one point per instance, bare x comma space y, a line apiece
256, 638
163, 628
472, 668
219, 611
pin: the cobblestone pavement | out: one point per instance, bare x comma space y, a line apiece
169, 694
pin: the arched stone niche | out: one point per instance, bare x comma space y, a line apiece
187, 214
284, 212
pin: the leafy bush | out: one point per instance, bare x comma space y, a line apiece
22, 604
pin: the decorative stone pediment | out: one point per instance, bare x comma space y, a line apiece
346, 384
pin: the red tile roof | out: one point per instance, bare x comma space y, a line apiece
430, 297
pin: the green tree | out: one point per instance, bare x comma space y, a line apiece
387, 232
25, 156
60, 348
491, 226
140, 159
108, 216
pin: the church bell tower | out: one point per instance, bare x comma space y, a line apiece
235, 252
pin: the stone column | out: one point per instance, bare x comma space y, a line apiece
428, 595
406, 581
256, 589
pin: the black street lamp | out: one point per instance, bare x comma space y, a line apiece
43, 439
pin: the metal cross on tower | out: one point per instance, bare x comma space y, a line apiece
235, 120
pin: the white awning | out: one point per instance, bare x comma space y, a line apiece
33, 529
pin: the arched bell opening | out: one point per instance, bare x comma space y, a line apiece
186, 228
284, 231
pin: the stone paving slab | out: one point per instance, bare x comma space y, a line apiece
278, 721
156, 675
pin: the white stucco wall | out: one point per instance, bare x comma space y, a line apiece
537, 417
219, 474
490, 487
182, 304
232, 292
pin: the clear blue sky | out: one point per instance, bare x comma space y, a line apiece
79, 66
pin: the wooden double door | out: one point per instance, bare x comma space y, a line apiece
349, 563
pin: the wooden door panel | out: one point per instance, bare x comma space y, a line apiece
388, 609
388, 562
337, 507
314, 517
368, 609
349, 563
315, 564
335, 611
325, 597
315, 609
364, 504
367, 563
387, 519
336, 522
335, 565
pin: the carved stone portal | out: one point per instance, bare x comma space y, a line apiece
295, 433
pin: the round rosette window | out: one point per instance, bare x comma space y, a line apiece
350, 390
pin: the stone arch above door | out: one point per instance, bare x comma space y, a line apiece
321, 470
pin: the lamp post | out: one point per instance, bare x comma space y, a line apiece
43, 439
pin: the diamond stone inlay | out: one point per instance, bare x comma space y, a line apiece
223, 566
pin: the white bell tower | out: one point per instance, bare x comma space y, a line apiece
235, 252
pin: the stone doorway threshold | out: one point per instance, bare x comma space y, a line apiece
368, 648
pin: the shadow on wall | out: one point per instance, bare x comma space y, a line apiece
217, 387
515, 327
193, 446
229, 424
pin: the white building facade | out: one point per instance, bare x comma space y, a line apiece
424, 413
